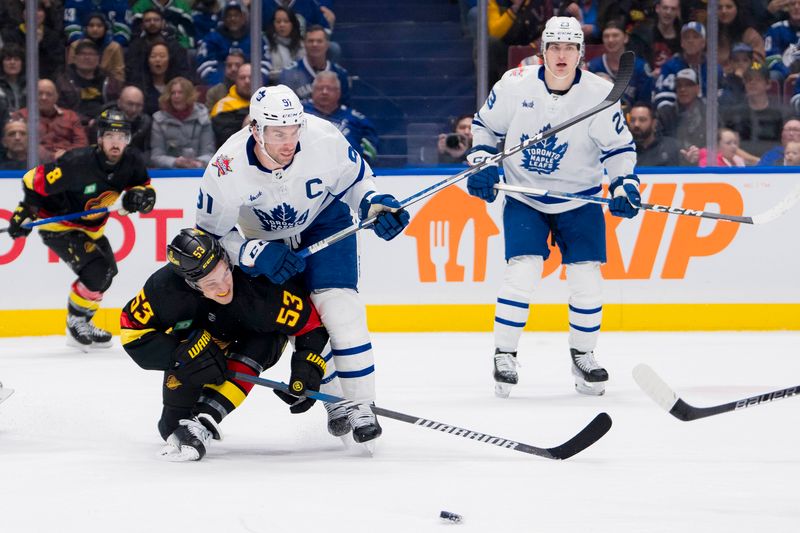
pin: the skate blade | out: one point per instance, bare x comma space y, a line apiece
75, 344
101, 345
502, 390
5, 394
173, 454
590, 389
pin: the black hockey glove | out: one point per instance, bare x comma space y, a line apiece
22, 214
139, 198
199, 361
307, 371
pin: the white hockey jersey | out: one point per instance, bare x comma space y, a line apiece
520, 106
273, 205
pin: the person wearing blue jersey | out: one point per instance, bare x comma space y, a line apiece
287, 182
525, 102
77, 12
300, 75
781, 42
356, 128
640, 89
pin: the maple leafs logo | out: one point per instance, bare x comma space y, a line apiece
282, 217
545, 156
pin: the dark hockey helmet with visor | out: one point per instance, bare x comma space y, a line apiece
193, 254
113, 120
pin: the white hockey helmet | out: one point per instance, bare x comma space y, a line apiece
276, 106
562, 30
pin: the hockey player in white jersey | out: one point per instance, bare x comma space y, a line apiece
524, 102
288, 181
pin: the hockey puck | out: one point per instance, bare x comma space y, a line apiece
450, 517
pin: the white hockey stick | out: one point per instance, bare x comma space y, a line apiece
769, 215
624, 75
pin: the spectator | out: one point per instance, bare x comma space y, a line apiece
791, 155
640, 89
741, 60
112, 60
206, 17
177, 15
131, 103
789, 133
657, 40
232, 63
85, 87
357, 129
181, 135
233, 35
50, 40
116, 12
514, 22
781, 42
154, 79
685, 121
727, 146
309, 13
734, 27
692, 56
153, 30
12, 14
453, 147
59, 129
15, 146
652, 148
757, 119
12, 80
300, 75
229, 113
284, 39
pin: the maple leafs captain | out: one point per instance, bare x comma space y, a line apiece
288, 181
525, 102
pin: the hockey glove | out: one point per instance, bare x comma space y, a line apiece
481, 184
307, 371
272, 259
625, 199
199, 361
22, 214
392, 219
139, 198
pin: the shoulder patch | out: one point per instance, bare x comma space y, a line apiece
223, 164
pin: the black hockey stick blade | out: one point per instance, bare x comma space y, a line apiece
624, 75
661, 393
598, 427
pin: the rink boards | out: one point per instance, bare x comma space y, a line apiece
664, 272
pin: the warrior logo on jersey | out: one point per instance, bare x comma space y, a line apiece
282, 217
223, 164
543, 157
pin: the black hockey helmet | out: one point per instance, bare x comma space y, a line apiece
113, 120
193, 253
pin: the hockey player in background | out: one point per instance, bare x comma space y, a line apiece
524, 102
197, 318
289, 181
80, 180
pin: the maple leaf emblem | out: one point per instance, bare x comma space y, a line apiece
281, 217
545, 156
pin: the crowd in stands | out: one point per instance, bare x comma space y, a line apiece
178, 69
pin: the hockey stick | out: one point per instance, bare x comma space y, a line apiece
655, 387
624, 75
598, 427
68, 216
767, 216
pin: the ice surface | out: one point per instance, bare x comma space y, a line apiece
78, 442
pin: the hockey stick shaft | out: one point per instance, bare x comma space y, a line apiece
598, 427
68, 216
623, 78
655, 387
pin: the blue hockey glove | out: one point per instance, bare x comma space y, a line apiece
272, 259
392, 219
481, 184
625, 199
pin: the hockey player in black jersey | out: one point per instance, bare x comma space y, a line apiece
196, 319
80, 180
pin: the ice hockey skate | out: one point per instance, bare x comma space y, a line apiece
590, 378
338, 420
505, 372
190, 441
79, 334
100, 337
365, 424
